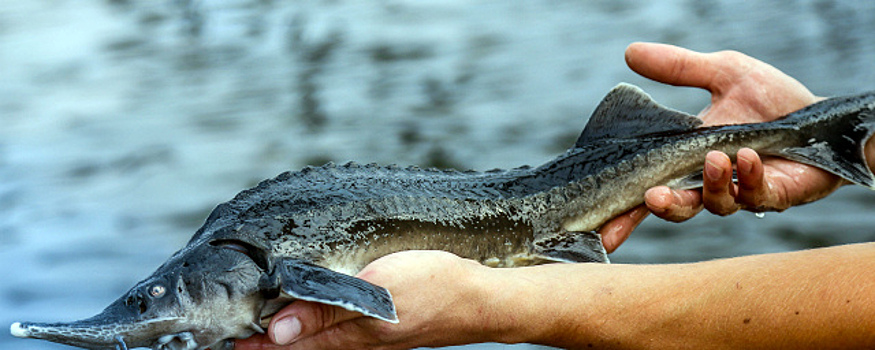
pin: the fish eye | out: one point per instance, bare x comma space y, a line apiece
157, 291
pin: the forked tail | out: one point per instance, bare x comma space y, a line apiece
836, 130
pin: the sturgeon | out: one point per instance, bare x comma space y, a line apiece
302, 235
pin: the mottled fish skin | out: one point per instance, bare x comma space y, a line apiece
251, 255
352, 214
346, 216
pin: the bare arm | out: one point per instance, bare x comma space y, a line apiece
815, 299
819, 299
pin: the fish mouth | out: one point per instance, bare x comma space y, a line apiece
18, 331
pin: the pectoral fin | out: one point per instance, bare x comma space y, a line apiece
305, 281
573, 247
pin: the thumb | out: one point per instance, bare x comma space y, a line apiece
671, 64
301, 319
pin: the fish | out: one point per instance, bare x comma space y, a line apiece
303, 235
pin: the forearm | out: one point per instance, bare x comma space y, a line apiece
812, 299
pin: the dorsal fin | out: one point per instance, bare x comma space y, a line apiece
627, 111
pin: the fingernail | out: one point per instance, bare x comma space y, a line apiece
286, 330
664, 204
656, 200
712, 171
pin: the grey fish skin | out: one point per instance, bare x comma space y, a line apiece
302, 234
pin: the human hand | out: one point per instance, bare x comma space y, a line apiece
434, 295
743, 90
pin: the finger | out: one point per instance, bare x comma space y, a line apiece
616, 231
718, 192
256, 342
753, 192
673, 205
345, 335
301, 319
670, 64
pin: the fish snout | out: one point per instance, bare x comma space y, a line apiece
130, 321
86, 336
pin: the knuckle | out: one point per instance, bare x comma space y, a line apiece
321, 315
677, 218
734, 65
681, 214
752, 201
721, 206
679, 69
330, 314
732, 56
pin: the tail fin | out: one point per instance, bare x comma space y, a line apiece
838, 129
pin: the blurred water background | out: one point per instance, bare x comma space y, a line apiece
123, 123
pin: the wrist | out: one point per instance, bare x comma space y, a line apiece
508, 310
545, 304
484, 305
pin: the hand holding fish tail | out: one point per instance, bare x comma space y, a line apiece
743, 90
